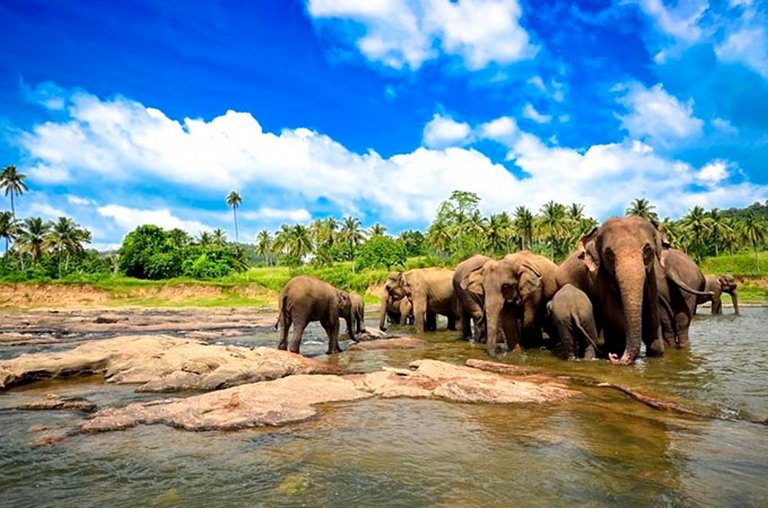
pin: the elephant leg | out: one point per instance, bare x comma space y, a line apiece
717, 306
511, 329
466, 327
285, 324
298, 330
480, 334
451, 321
567, 341
332, 330
531, 333
419, 312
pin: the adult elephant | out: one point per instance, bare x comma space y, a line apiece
358, 311
305, 299
515, 290
470, 302
431, 292
719, 284
680, 288
395, 310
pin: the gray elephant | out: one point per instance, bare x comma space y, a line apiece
358, 312
571, 314
305, 299
431, 292
471, 303
515, 291
395, 310
719, 284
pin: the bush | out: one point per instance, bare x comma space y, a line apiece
381, 252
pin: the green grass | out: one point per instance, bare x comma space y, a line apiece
736, 264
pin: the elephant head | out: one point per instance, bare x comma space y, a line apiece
513, 288
622, 256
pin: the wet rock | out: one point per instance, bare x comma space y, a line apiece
369, 334
294, 398
38, 427
396, 343
161, 363
55, 402
48, 440
502, 368
107, 319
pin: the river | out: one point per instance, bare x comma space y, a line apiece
603, 448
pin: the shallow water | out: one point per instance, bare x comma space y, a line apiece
601, 448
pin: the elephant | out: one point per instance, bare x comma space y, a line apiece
719, 284
570, 313
515, 292
431, 292
471, 303
358, 312
304, 299
398, 311
623, 260
680, 287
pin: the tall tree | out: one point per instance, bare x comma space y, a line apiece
13, 183
31, 239
754, 230
8, 228
499, 233
643, 208
233, 201
351, 234
696, 223
219, 237
65, 239
524, 224
264, 245
553, 224
718, 228
377, 230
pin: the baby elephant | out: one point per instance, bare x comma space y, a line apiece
305, 299
571, 313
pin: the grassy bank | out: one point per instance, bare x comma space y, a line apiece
753, 282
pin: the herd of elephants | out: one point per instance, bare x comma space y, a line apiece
624, 285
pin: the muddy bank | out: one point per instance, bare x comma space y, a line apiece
52, 326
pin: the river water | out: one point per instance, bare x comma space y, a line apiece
602, 448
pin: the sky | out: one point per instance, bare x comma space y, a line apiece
126, 113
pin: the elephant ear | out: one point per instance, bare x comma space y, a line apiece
663, 239
532, 267
473, 282
589, 255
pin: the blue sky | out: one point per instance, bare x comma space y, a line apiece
123, 113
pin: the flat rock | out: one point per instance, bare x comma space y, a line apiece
396, 343
294, 398
67, 403
161, 363
369, 334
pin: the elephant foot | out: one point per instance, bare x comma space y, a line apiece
624, 360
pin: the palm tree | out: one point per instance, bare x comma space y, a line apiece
8, 228
718, 226
696, 222
204, 240
377, 230
233, 201
524, 225
575, 212
13, 183
31, 239
282, 240
218, 237
264, 245
672, 232
499, 233
351, 232
65, 237
438, 236
643, 208
754, 230
299, 242
553, 223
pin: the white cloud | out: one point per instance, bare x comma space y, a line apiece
277, 215
400, 33
749, 47
301, 167
131, 218
443, 131
724, 126
45, 210
679, 22
78, 201
658, 117
530, 113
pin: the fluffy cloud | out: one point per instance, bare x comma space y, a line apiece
126, 142
679, 22
401, 33
657, 117
530, 113
443, 131
748, 46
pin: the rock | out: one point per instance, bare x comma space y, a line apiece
48, 440
161, 363
38, 427
106, 319
70, 403
502, 368
292, 399
370, 334
397, 343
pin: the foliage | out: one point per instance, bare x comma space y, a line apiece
381, 252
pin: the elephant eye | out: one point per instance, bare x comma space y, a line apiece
647, 252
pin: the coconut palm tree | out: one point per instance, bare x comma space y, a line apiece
499, 233
204, 240
754, 231
351, 232
575, 212
643, 208
8, 228
31, 238
282, 240
64, 237
718, 227
524, 225
377, 230
553, 224
264, 245
672, 232
233, 201
438, 236
13, 183
299, 242
218, 237
696, 222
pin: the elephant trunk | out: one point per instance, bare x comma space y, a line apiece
735, 298
383, 317
630, 276
494, 306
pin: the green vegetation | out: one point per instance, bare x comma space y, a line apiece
345, 254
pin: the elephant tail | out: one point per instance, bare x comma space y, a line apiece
577, 325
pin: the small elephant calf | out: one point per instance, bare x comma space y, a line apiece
571, 313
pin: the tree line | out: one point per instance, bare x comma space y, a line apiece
35, 248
